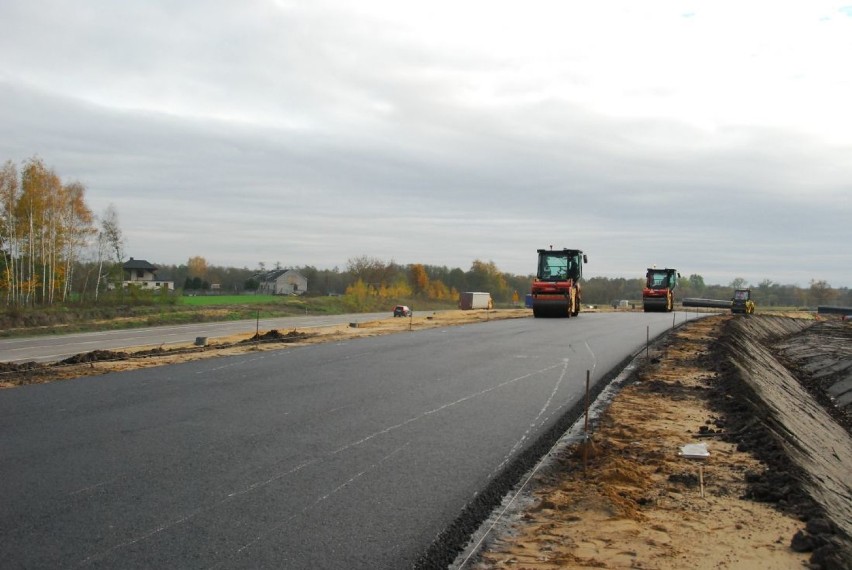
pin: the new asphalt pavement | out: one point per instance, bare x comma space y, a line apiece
380, 453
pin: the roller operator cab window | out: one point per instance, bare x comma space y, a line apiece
557, 267
658, 280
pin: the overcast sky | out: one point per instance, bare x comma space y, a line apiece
714, 137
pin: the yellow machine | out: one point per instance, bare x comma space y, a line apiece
742, 303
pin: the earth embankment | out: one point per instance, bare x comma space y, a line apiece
798, 412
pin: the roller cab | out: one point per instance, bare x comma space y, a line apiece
658, 294
741, 303
556, 290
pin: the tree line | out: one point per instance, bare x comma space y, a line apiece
370, 277
766, 293
51, 244
54, 250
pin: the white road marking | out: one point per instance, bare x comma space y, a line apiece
305, 509
537, 421
169, 524
443, 407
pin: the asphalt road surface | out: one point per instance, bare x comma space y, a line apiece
55, 348
357, 454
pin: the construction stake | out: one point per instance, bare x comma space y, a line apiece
586, 429
647, 341
257, 330
586, 425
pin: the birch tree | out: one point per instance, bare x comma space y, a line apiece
77, 221
35, 211
9, 245
43, 227
110, 241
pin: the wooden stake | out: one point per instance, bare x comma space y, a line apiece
586, 443
586, 425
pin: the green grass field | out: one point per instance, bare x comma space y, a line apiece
213, 300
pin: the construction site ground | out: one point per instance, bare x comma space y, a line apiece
773, 492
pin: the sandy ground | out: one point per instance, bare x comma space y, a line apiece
627, 497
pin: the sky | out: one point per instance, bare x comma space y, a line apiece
714, 137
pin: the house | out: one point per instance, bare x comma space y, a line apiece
140, 273
282, 282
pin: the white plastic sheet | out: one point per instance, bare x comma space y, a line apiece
694, 451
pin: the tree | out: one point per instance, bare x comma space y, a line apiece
359, 291
77, 220
44, 226
821, 292
486, 277
696, 283
9, 243
197, 266
764, 295
33, 210
457, 279
371, 271
110, 240
419, 279
438, 291
739, 283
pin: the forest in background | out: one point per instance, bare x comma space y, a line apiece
370, 276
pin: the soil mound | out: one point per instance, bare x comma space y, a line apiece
95, 356
11, 367
275, 336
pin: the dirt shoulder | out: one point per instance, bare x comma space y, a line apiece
767, 494
105, 361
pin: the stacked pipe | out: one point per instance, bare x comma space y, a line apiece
712, 303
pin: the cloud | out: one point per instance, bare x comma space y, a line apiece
681, 135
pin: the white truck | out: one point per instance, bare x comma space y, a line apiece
475, 300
